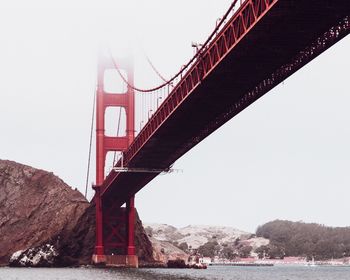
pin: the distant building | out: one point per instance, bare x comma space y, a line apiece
205, 260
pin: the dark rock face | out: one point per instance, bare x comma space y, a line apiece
36, 207
144, 248
77, 246
40, 216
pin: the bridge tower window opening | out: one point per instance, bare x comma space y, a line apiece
115, 121
112, 157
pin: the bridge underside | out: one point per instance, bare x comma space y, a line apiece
287, 37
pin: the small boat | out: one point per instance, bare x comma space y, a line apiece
199, 266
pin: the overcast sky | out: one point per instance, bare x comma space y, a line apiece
287, 156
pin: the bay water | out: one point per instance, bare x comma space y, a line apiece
215, 273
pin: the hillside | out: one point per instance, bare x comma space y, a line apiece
194, 235
227, 242
274, 240
305, 239
164, 251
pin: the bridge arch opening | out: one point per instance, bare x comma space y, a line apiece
115, 121
111, 158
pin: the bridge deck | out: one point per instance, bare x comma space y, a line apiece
243, 69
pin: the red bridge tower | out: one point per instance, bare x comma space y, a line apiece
114, 225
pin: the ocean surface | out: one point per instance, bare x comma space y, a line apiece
217, 272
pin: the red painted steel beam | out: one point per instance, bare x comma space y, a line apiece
130, 206
116, 100
115, 143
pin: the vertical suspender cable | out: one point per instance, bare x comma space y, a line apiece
125, 88
115, 152
91, 133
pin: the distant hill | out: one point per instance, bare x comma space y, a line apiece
208, 240
195, 236
276, 239
304, 239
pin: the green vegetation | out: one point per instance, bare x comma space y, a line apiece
244, 251
183, 246
209, 249
302, 239
229, 253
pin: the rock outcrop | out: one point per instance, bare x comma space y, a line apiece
164, 251
36, 207
47, 223
144, 247
44, 255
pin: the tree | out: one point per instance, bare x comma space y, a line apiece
228, 253
262, 251
183, 246
276, 252
302, 239
237, 240
209, 249
244, 251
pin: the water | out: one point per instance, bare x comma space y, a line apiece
214, 273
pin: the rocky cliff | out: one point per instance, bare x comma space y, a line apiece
163, 251
42, 217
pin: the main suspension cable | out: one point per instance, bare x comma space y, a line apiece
155, 69
198, 54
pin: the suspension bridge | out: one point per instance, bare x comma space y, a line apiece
255, 46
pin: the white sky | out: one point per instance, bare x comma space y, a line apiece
287, 156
